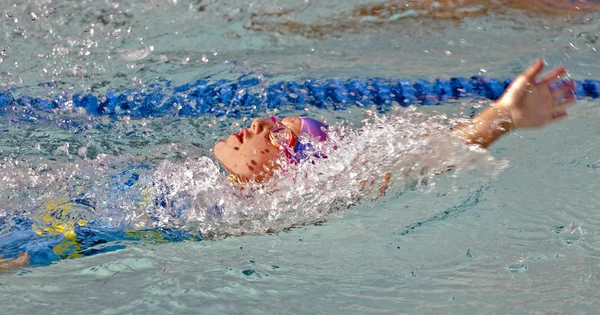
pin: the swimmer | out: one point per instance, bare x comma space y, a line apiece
527, 103
253, 153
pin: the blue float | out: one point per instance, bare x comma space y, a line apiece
250, 95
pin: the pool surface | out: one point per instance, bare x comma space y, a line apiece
124, 210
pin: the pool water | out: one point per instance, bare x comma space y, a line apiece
516, 234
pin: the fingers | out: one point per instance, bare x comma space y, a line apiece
565, 87
520, 85
362, 184
533, 70
383, 187
559, 111
553, 75
563, 94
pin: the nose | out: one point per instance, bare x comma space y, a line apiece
258, 125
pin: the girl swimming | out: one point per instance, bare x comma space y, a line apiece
255, 153
527, 103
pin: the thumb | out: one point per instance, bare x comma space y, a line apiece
516, 90
532, 72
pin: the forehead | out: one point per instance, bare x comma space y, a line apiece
257, 148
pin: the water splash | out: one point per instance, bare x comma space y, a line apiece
192, 194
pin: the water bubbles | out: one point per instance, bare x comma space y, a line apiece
78, 71
571, 239
190, 191
573, 46
135, 54
82, 152
62, 150
517, 267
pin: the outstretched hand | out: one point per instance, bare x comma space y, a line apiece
533, 103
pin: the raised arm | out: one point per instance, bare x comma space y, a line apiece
527, 103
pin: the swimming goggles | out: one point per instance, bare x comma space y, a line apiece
282, 137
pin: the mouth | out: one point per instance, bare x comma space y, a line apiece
241, 136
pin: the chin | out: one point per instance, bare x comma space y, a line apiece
219, 149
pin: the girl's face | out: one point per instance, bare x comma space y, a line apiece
249, 154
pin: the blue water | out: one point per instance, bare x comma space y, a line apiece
515, 234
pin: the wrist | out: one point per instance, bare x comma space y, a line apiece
488, 126
502, 115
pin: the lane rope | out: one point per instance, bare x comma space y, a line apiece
247, 95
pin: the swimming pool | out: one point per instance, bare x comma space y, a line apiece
522, 241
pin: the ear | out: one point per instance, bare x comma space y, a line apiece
293, 123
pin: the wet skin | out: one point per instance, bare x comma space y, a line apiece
250, 154
527, 103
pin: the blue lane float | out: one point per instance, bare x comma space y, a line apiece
239, 97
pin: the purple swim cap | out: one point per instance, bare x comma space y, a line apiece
311, 127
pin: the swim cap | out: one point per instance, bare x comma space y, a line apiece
282, 136
313, 128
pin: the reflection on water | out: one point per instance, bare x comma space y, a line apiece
382, 14
112, 45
